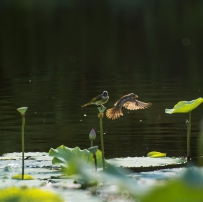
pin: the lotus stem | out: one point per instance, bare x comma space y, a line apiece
95, 161
200, 145
22, 111
188, 137
91, 143
93, 150
100, 115
23, 145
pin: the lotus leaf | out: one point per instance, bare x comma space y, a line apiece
64, 156
31, 195
145, 162
185, 106
22, 110
155, 154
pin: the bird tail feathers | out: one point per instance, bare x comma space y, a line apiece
89, 103
114, 113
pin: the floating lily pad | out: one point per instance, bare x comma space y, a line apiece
40, 156
185, 106
147, 163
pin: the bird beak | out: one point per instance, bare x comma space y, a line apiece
136, 96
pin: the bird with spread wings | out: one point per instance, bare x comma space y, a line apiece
129, 102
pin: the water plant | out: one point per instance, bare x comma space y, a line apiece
93, 150
186, 107
66, 157
25, 177
101, 115
22, 110
92, 136
156, 154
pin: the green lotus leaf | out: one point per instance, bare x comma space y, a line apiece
22, 110
66, 156
185, 106
155, 154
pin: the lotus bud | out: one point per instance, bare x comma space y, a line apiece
92, 134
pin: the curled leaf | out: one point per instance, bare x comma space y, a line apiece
93, 150
185, 106
155, 154
22, 110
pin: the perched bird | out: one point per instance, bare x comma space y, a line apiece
98, 100
127, 101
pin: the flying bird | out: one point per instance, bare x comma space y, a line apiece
98, 100
129, 102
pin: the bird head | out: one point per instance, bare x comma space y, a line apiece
105, 93
133, 95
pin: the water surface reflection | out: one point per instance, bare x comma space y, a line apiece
54, 116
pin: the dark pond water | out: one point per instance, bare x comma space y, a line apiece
55, 59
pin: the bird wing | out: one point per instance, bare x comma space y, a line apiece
115, 103
96, 98
136, 104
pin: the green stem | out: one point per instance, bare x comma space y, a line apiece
102, 141
91, 143
188, 137
95, 161
101, 110
23, 147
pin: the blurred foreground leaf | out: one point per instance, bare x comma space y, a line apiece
187, 188
14, 194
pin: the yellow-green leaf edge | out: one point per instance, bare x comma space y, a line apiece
155, 154
19, 177
185, 106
